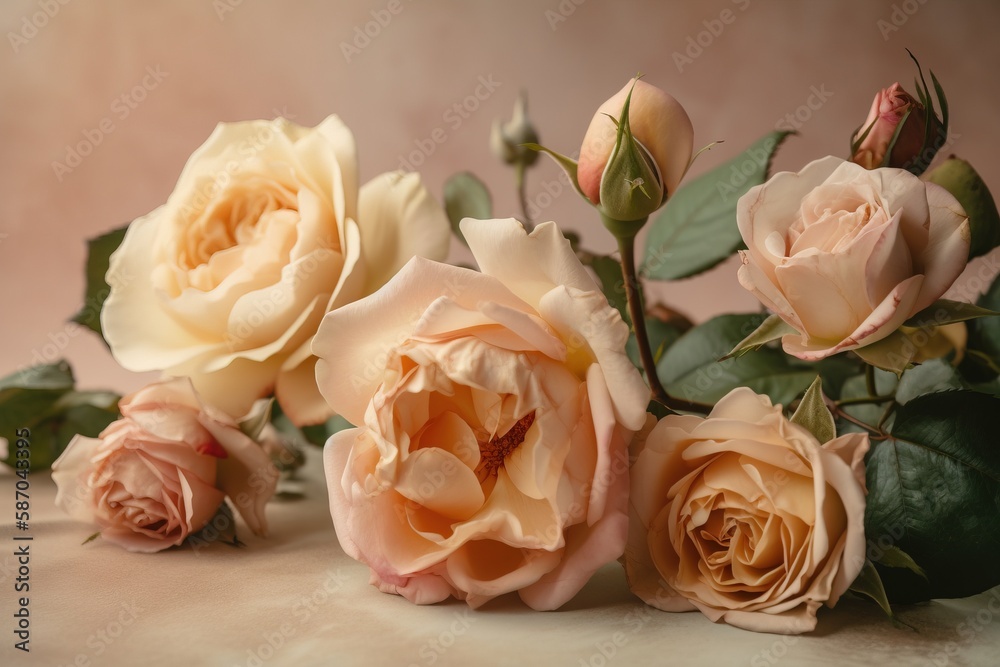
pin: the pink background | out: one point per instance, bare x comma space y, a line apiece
240, 59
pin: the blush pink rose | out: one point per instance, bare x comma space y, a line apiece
746, 517
845, 255
494, 413
160, 473
888, 109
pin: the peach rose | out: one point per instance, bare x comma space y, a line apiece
845, 255
160, 473
660, 125
888, 109
746, 517
495, 409
265, 232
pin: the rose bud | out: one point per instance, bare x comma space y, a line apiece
507, 140
635, 152
902, 131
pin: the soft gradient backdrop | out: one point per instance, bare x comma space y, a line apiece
65, 66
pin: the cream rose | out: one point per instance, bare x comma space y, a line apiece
845, 255
495, 409
744, 516
265, 232
160, 473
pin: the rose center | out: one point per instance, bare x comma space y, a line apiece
492, 454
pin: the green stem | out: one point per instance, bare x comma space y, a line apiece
870, 380
877, 434
863, 400
626, 246
522, 194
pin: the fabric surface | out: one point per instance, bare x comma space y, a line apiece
296, 599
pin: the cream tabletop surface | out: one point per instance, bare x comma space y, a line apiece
296, 599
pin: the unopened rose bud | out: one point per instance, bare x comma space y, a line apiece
507, 139
894, 133
658, 132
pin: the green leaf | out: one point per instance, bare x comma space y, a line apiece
697, 228
927, 378
959, 178
691, 369
465, 196
661, 336
934, 493
869, 413
770, 329
893, 556
26, 398
870, 585
42, 400
836, 370
99, 251
568, 164
609, 272
221, 528
56, 377
813, 415
894, 353
945, 311
984, 334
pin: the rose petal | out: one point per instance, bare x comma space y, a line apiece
948, 243
398, 220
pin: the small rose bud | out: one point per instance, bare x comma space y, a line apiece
894, 133
901, 131
507, 139
659, 131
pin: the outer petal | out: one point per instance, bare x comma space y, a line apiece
884, 320
529, 265
73, 496
399, 219
143, 336
947, 247
247, 475
587, 322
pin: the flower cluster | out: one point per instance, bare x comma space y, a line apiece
500, 438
